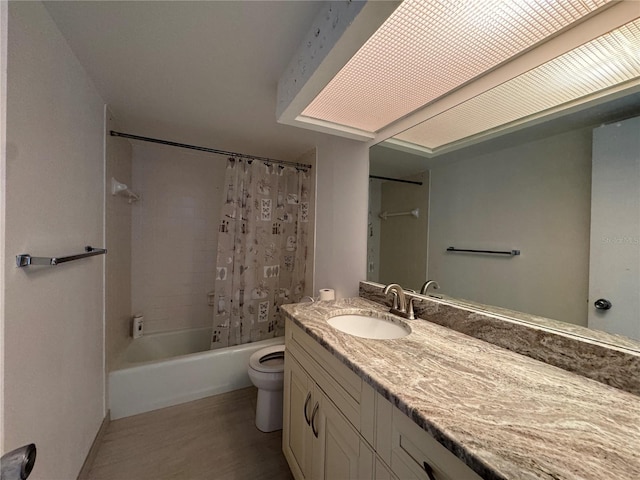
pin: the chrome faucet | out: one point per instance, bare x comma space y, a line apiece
427, 284
400, 308
399, 295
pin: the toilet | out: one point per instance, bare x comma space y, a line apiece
266, 371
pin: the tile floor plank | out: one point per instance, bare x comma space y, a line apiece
212, 438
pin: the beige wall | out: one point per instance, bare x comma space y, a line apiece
118, 235
54, 370
341, 215
3, 164
534, 197
403, 239
175, 235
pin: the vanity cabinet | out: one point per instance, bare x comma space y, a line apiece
318, 441
336, 426
297, 437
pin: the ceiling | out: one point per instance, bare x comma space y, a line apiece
203, 73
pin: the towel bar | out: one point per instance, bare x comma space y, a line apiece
495, 252
24, 259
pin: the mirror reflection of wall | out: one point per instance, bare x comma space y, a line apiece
532, 197
398, 218
529, 190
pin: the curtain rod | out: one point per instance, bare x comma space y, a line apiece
209, 150
413, 182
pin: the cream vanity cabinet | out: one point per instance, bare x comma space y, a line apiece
336, 427
321, 438
320, 443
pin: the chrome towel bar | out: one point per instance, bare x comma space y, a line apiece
24, 259
414, 213
495, 252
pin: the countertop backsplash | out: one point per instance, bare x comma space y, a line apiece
615, 366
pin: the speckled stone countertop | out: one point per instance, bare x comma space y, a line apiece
505, 415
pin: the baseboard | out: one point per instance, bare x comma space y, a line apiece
93, 451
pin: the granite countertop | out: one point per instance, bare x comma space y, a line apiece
505, 415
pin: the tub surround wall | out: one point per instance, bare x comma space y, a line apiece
118, 234
175, 235
53, 340
505, 415
590, 355
403, 239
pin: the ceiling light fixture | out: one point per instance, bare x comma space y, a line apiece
429, 48
606, 62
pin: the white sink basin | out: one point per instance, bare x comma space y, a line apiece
369, 327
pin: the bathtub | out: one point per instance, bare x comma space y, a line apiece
164, 369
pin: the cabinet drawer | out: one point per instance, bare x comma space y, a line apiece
411, 447
343, 386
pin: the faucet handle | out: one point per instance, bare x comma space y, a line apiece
394, 289
410, 313
395, 300
401, 305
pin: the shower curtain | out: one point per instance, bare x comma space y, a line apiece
262, 250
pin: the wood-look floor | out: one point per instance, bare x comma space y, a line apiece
212, 438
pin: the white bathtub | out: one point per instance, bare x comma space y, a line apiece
164, 369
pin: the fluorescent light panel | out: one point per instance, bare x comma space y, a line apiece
428, 47
605, 62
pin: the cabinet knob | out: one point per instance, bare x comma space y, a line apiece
313, 419
429, 470
306, 402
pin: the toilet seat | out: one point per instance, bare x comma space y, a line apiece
268, 360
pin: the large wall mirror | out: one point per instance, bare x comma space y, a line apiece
564, 193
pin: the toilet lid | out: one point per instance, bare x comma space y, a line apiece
268, 360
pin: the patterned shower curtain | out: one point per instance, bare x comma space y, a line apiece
262, 250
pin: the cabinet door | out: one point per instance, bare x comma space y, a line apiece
339, 451
297, 437
382, 472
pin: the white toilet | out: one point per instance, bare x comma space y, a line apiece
266, 371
